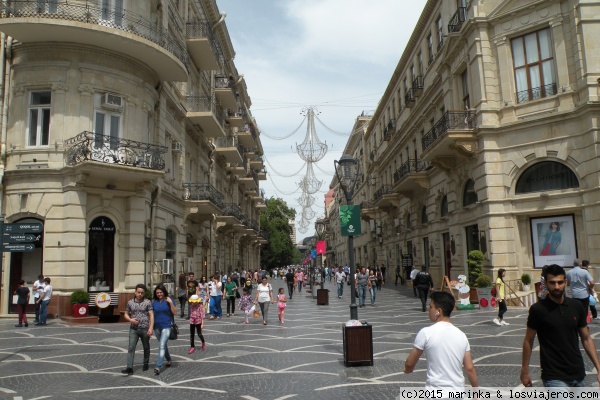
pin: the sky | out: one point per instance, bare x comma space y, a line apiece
335, 55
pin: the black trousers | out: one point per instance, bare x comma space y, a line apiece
423, 293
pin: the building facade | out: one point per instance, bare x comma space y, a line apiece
486, 139
127, 133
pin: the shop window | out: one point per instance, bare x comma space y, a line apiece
546, 175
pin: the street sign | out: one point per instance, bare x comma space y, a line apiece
23, 228
407, 260
19, 247
19, 238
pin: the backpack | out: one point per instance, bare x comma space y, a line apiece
494, 291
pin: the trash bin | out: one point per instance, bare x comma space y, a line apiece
358, 344
322, 297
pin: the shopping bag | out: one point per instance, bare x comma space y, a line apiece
256, 313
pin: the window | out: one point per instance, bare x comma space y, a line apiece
424, 218
546, 175
444, 207
107, 128
430, 48
170, 244
534, 66
111, 12
39, 119
420, 57
469, 194
407, 222
465, 90
440, 33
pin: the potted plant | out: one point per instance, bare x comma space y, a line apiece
525, 282
484, 292
474, 269
80, 303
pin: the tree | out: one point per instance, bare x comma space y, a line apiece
274, 221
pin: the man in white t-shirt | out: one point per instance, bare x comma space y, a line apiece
447, 349
38, 288
413, 274
215, 293
339, 279
44, 300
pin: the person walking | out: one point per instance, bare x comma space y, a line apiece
559, 323
290, 279
361, 286
299, 279
23, 296
585, 264
446, 347
424, 284
38, 288
580, 282
182, 293
398, 275
139, 314
44, 300
379, 278
339, 279
197, 314
229, 294
372, 286
281, 304
164, 310
501, 298
413, 275
383, 270
246, 304
264, 296
192, 289
216, 293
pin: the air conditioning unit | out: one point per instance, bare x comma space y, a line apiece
188, 264
372, 225
167, 266
396, 222
170, 286
112, 101
378, 230
176, 147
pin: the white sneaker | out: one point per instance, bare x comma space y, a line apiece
497, 321
504, 323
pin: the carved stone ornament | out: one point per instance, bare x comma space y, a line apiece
18, 90
86, 89
467, 146
59, 87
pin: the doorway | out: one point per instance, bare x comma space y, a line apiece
447, 255
101, 255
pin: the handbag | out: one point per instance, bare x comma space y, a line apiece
174, 329
256, 313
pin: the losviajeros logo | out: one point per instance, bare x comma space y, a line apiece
102, 300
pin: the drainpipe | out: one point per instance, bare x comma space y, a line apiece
6, 49
155, 194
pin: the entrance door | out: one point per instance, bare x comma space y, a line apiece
101, 255
447, 254
26, 266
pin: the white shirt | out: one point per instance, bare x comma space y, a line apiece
339, 277
47, 292
40, 287
413, 273
445, 346
263, 292
215, 289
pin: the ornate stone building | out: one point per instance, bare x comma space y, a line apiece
127, 133
486, 138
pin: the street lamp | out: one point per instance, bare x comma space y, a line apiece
346, 172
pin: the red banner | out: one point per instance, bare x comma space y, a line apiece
320, 247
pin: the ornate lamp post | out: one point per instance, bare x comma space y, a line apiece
311, 271
347, 172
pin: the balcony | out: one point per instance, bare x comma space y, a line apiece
202, 46
206, 113
417, 85
229, 148
237, 169
368, 210
457, 20
232, 214
250, 181
224, 92
235, 118
88, 23
451, 137
388, 131
114, 159
411, 177
409, 98
246, 137
256, 162
385, 197
536, 93
261, 174
203, 198
440, 43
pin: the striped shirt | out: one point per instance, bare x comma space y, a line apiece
139, 310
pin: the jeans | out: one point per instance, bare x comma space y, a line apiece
182, 300
299, 286
362, 294
501, 309
290, 289
44, 311
264, 309
423, 293
340, 286
134, 335
22, 314
372, 291
231, 304
216, 306
163, 350
561, 383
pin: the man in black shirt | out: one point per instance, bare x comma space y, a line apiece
424, 284
558, 323
290, 280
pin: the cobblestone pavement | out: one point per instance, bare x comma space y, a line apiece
301, 359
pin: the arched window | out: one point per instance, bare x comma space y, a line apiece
546, 175
424, 218
171, 244
469, 194
444, 207
407, 224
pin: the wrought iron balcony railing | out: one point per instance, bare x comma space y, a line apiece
201, 30
90, 146
205, 104
536, 93
411, 165
233, 210
409, 98
223, 82
254, 225
388, 130
384, 189
92, 12
459, 17
417, 83
229, 141
450, 120
203, 191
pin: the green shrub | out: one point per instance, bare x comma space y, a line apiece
80, 297
526, 279
483, 281
474, 266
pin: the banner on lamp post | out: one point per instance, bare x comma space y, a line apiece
320, 247
313, 254
350, 220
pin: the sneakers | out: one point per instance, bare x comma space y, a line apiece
191, 350
127, 371
156, 371
145, 367
504, 323
203, 346
26, 324
497, 321
18, 326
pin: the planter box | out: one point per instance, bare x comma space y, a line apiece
80, 310
322, 297
358, 345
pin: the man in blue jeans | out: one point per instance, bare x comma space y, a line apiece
340, 278
141, 316
362, 281
43, 302
559, 323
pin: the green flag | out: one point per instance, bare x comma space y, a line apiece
350, 220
